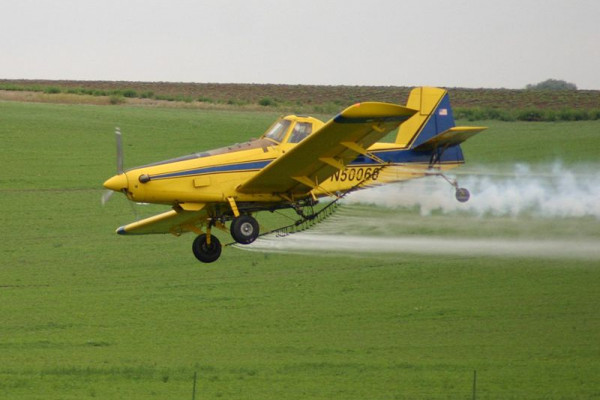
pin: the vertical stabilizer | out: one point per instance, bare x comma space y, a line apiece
434, 116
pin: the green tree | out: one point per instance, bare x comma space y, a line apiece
552, 84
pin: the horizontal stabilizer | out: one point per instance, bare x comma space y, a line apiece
450, 137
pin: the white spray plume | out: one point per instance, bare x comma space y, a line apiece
544, 193
553, 191
429, 245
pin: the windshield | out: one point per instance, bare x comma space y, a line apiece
301, 130
277, 131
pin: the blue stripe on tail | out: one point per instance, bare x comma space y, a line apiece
440, 120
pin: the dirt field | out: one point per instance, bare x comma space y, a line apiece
304, 95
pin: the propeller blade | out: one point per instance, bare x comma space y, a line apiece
119, 150
106, 196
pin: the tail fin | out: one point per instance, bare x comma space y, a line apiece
433, 126
434, 116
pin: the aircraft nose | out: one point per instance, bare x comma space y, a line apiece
117, 183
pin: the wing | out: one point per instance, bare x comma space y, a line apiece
175, 221
329, 149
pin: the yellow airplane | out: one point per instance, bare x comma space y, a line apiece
294, 163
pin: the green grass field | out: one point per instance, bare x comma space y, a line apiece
89, 314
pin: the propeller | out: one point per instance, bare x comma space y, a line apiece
119, 150
106, 196
119, 141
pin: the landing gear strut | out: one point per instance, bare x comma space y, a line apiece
206, 250
461, 194
244, 229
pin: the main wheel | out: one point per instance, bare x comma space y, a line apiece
244, 229
462, 195
205, 252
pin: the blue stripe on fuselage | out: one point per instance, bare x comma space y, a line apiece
247, 166
452, 154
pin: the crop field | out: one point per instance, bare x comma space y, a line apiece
88, 314
496, 104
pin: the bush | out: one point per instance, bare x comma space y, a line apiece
116, 99
581, 115
565, 115
236, 102
550, 116
52, 90
575, 115
481, 114
130, 93
11, 86
530, 115
266, 102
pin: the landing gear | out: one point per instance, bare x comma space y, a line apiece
204, 251
207, 247
244, 229
462, 195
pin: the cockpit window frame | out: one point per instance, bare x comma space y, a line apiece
278, 131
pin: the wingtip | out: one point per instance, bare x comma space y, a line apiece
121, 230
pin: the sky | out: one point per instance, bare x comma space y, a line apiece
459, 43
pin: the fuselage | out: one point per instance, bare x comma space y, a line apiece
215, 175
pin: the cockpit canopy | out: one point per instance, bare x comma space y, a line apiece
292, 129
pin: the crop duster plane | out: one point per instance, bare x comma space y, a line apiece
294, 163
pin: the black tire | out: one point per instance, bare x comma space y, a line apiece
462, 195
244, 229
204, 252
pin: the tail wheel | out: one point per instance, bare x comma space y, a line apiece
205, 252
462, 195
244, 229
